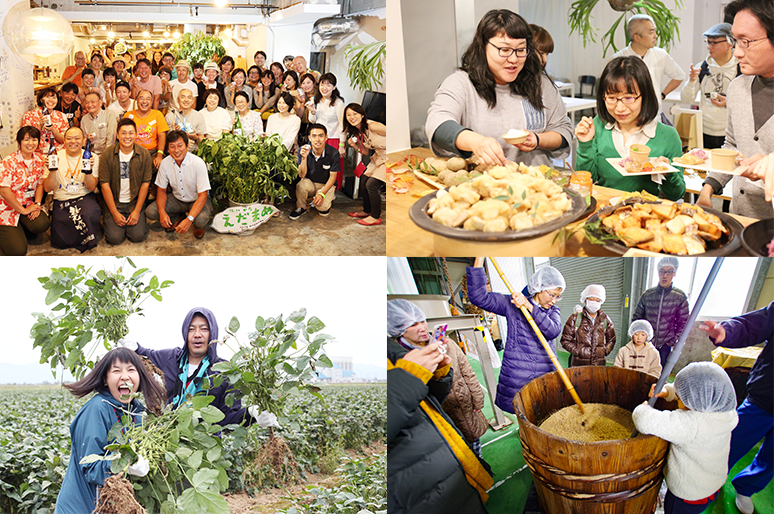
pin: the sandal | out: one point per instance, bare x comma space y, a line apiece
370, 223
359, 214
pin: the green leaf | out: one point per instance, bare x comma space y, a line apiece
208, 501
259, 323
195, 460
298, 316
199, 402
314, 324
212, 414
205, 478
324, 362
233, 325
54, 293
214, 454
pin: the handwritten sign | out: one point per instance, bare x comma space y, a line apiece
236, 220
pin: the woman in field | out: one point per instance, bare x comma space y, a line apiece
115, 378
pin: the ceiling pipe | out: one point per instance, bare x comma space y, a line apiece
236, 35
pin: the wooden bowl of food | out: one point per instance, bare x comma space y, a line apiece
543, 240
665, 227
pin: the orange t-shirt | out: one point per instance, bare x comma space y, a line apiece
148, 128
69, 71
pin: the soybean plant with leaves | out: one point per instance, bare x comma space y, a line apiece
91, 310
280, 359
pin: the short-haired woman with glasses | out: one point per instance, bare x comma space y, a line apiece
627, 110
501, 85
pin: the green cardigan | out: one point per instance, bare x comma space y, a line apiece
592, 155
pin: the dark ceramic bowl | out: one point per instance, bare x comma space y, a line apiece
756, 237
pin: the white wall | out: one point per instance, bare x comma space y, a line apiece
434, 36
16, 96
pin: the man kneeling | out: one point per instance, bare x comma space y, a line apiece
189, 202
318, 167
125, 172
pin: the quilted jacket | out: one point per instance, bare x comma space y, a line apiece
591, 341
667, 312
466, 398
524, 358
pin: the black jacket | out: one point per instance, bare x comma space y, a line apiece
590, 343
750, 329
667, 312
423, 475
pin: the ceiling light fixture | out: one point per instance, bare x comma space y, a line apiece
221, 3
40, 36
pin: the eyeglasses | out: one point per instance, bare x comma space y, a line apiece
717, 42
506, 52
612, 101
554, 296
744, 43
666, 273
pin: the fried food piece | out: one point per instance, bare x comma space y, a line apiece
665, 211
673, 243
633, 236
694, 245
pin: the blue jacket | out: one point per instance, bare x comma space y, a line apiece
524, 358
88, 433
169, 361
750, 329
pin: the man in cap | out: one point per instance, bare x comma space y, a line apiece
750, 99
182, 82
210, 81
665, 307
712, 79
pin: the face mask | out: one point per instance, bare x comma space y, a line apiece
592, 306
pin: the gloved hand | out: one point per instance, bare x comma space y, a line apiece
139, 468
128, 344
264, 419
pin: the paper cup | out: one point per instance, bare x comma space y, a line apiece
723, 159
639, 153
515, 140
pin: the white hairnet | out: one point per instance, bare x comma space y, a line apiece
668, 262
544, 278
705, 387
641, 325
401, 314
594, 290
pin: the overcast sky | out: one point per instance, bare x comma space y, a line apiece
346, 293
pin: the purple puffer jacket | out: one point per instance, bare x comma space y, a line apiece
524, 358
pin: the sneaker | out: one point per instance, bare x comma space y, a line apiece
297, 213
324, 213
744, 504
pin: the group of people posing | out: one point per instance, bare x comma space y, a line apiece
110, 141
435, 463
502, 84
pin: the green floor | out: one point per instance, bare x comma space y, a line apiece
502, 450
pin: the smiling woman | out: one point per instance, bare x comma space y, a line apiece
501, 85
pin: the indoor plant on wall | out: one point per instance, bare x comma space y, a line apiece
667, 24
198, 48
247, 169
366, 65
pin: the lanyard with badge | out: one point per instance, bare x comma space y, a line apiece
72, 171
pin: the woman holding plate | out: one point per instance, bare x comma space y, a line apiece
627, 110
501, 85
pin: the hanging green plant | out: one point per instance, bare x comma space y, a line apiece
366, 66
198, 48
667, 24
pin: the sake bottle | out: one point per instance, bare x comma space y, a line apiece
237, 126
86, 161
53, 159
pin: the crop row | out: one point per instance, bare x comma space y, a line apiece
35, 438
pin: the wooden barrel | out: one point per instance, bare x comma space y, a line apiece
610, 477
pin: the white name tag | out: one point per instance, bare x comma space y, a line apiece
73, 187
326, 167
29, 194
102, 125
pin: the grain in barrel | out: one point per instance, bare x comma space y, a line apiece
600, 422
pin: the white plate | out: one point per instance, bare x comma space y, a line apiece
614, 163
707, 166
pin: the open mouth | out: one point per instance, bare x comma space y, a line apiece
125, 389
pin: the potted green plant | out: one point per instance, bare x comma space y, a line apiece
667, 24
198, 48
248, 169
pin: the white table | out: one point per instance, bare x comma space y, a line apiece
565, 86
578, 104
673, 98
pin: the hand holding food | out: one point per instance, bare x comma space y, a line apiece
584, 131
530, 144
487, 149
763, 169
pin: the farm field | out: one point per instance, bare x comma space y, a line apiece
338, 445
